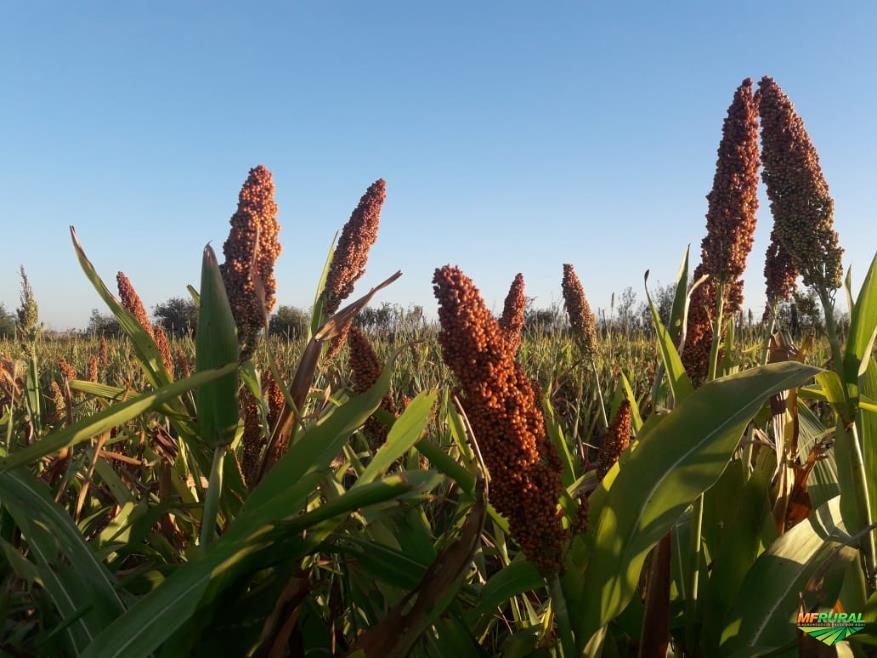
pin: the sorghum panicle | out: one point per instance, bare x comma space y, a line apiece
254, 237
779, 273
104, 353
68, 371
255, 437
59, 403
616, 441
733, 200
183, 368
92, 368
512, 320
730, 224
503, 407
273, 395
351, 254
699, 328
164, 348
132, 303
803, 210
578, 310
252, 440
365, 370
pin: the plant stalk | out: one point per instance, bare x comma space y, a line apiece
211, 500
561, 616
697, 512
603, 416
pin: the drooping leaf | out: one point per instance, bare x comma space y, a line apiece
761, 618
81, 588
673, 464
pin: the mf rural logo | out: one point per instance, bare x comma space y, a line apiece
830, 627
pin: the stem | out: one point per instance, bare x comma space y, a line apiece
561, 617
717, 332
765, 356
600, 394
694, 584
831, 330
861, 483
697, 513
211, 501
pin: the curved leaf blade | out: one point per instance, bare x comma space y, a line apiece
675, 461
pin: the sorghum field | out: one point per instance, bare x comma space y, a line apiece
475, 486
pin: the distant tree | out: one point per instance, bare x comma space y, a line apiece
663, 298
381, 319
100, 324
177, 316
547, 320
627, 310
7, 323
290, 322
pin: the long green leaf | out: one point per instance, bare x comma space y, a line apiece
149, 623
109, 418
679, 310
216, 344
675, 462
761, 618
404, 433
144, 345
79, 585
680, 384
863, 329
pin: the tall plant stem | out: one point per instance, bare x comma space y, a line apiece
600, 394
765, 355
697, 513
561, 616
211, 500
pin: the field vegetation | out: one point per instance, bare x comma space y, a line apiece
679, 476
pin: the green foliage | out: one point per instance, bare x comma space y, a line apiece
290, 322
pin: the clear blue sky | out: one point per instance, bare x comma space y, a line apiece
514, 136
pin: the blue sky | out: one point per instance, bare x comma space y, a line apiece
514, 136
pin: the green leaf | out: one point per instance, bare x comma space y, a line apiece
863, 329
404, 433
215, 345
144, 345
762, 616
317, 308
868, 432
320, 443
675, 461
635, 417
109, 418
517, 578
100, 390
80, 587
738, 548
679, 310
680, 384
262, 537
